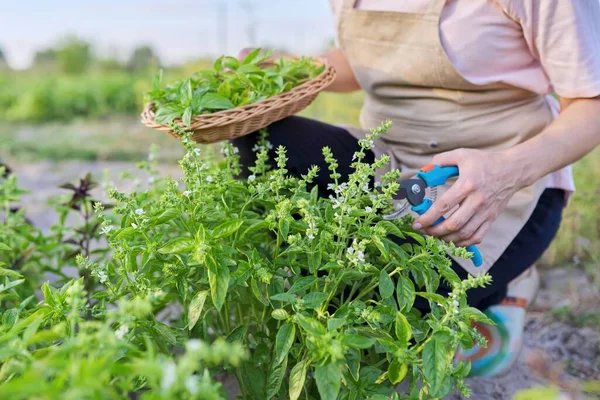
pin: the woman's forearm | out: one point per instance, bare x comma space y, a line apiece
572, 135
345, 80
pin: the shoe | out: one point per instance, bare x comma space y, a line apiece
505, 338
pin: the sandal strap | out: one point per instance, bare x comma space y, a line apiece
514, 301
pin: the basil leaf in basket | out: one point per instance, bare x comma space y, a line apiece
168, 113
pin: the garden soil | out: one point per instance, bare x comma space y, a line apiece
555, 352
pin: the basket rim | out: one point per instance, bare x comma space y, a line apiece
149, 111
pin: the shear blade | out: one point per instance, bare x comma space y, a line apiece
401, 210
402, 205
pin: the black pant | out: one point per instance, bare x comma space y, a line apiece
304, 138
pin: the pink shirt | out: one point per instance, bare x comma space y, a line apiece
544, 46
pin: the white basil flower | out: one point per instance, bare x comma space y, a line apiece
191, 384
140, 211
209, 178
106, 229
121, 332
169, 375
361, 256
252, 178
193, 345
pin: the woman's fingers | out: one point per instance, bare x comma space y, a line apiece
456, 194
463, 223
468, 230
477, 237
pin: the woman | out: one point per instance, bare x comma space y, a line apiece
468, 83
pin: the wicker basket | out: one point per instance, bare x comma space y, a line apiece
236, 122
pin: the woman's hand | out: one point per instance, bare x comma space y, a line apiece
486, 183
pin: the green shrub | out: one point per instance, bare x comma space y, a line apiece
314, 289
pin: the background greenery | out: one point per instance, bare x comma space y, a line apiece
72, 105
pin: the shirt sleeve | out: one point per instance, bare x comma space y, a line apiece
564, 35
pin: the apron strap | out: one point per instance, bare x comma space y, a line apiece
436, 7
348, 4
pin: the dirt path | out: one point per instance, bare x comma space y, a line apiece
576, 351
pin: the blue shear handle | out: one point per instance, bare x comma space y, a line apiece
422, 208
437, 175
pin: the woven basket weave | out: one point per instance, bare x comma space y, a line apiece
236, 122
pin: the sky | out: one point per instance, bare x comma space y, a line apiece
178, 30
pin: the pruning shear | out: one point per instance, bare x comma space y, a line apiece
420, 192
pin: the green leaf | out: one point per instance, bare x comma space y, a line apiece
314, 299
9, 318
157, 80
390, 228
166, 332
403, 330
255, 226
250, 69
166, 216
405, 293
297, 379
329, 381
4, 247
167, 113
382, 248
397, 372
195, 308
213, 101
218, 64
251, 56
224, 89
10, 273
310, 325
302, 283
284, 227
253, 381
187, 116
432, 296
473, 314
285, 297
185, 93
231, 63
238, 334
284, 341
386, 285
219, 283
314, 261
124, 233
256, 291
227, 228
435, 362
10, 285
276, 374
30, 331
335, 323
358, 342
177, 246
373, 333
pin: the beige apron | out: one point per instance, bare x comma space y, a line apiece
407, 77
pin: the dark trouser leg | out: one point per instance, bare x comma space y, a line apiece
304, 140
